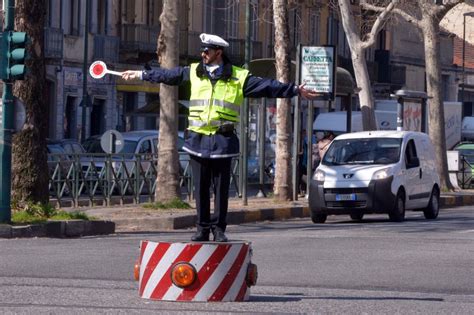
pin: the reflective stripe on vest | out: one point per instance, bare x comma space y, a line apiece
211, 107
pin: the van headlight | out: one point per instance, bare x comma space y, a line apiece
319, 176
381, 174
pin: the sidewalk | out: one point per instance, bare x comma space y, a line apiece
135, 218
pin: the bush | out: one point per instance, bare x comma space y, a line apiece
173, 204
38, 213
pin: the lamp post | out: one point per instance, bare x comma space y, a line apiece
85, 96
471, 14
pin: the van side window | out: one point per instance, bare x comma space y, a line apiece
411, 158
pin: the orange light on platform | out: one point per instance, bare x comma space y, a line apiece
183, 274
252, 275
136, 271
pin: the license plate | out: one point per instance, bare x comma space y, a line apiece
345, 197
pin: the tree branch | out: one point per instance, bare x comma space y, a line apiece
378, 24
410, 18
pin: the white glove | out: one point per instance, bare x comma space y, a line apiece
131, 75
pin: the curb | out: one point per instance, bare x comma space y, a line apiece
189, 221
247, 216
58, 229
456, 201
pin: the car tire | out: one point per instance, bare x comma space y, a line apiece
357, 216
397, 214
319, 218
432, 210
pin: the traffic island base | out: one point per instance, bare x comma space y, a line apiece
59, 229
195, 271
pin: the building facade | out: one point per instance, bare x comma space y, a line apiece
124, 33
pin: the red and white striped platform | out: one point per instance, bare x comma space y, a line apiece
223, 271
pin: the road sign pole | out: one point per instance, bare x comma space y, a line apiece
6, 129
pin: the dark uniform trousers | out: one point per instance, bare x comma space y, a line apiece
206, 172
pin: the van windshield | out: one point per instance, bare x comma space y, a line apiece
363, 151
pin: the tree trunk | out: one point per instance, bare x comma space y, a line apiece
29, 162
436, 109
167, 181
283, 187
366, 99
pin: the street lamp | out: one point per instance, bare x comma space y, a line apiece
471, 14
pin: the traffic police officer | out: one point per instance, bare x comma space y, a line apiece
217, 91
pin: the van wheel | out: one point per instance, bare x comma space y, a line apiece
357, 216
432, 210
319, 218
397, 214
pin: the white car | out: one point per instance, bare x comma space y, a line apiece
376, 172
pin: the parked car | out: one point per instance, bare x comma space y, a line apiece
59, 165
71, 146
376, 172
466, 155
141, 143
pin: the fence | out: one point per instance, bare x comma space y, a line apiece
466, 170
98, 179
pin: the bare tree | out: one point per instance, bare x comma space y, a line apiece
29, 167
359, 41
282, 186
167, 181
426, 16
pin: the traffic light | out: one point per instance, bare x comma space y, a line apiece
13, 52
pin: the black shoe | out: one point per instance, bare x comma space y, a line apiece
219, 236
200, 236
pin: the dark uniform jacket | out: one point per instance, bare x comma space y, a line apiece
222, 144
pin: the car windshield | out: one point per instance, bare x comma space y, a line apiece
363, 151
468, 155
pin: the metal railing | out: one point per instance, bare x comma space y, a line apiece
104, 179
139, 37
53, 43
106, 48
465, 173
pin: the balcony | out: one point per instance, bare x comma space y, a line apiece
53, 43
139, 37
106, 48
236, 50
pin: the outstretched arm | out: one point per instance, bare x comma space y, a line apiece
174, 76
265, 87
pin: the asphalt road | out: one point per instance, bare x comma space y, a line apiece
372, 267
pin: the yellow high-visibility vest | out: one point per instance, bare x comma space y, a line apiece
213, 107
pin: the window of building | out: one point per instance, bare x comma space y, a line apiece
102, 17
254, 18
232, 19
295, 25
314, 22
74, 17
333, 30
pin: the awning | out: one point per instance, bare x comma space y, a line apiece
147, 88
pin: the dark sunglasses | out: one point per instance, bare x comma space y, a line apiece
205, 50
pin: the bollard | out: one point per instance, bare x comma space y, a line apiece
195, 271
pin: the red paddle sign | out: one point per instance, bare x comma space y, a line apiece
98, 69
